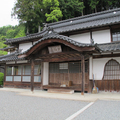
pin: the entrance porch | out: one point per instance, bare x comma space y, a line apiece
67, 75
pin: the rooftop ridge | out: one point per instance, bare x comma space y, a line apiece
85, 16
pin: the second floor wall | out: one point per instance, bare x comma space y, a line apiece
100, 36
25, 46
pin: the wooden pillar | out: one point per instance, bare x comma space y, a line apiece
42, 75
83, 74
32, 74
4, 75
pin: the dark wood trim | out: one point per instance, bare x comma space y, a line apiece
42, 75
32, 74
108, 85
106, 55
45, 43
5, 74
83, 74
61, 59
22, 73
91, 35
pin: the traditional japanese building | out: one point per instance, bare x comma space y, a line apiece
68, 54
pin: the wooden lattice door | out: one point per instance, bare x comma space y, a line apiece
61, 73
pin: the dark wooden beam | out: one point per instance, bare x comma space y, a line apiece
61, 54
66, 43
32, 74
106, 56
42, 75
61, 59
83, 74
4, 75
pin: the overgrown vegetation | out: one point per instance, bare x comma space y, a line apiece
1, 78
10, 32
36, 12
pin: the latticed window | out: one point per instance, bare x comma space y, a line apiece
112, 70
116, 35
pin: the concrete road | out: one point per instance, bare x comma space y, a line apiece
14, 106
18, 107
101, 110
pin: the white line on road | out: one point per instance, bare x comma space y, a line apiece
79, 112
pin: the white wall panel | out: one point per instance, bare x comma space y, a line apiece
102, 36
25, 46
45, 73
98, 66
83, 38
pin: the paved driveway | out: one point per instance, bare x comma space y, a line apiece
17, 107
101, 110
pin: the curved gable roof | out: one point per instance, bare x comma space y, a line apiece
54, 37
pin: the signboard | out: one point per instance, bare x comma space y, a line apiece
55, 49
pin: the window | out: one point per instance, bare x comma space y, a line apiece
116, 35
26, 73
17, 73
9, 70
70, 67
17, 70
22, 73
112, 70
74, 67
9, 73
37, 70
37, 73
63, 67
26, 70
54, 67
26, 78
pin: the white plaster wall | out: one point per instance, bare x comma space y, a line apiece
102, 36
25, 46
8, 52
98, 66
45, 73
83, 38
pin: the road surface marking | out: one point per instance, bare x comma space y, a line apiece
79, 112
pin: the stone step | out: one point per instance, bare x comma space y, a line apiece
61, 91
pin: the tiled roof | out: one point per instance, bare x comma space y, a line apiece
11, 47
28, 37
109, 47
106, 47
88, 21
53, 35
10, 57
83, 22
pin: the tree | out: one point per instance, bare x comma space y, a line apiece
29, 12
10, 32
71, 8
33, 13
93, 4
53, 12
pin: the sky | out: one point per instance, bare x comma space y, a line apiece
5, 13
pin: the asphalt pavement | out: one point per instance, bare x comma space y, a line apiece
22, 104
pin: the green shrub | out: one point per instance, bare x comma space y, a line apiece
1, 78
